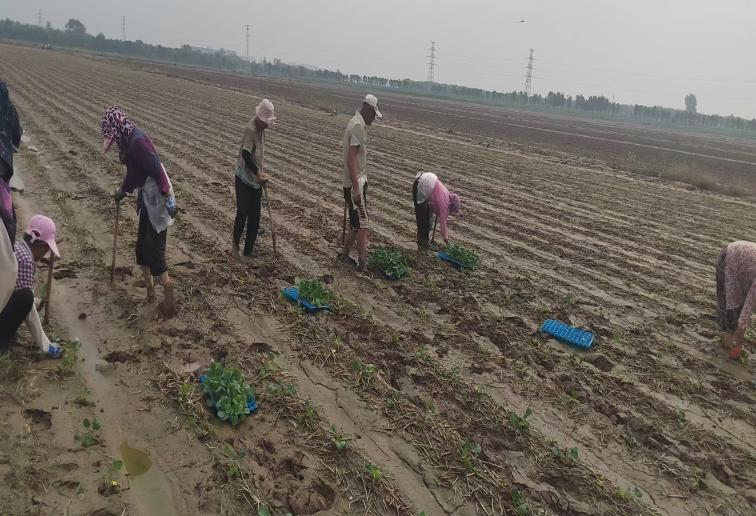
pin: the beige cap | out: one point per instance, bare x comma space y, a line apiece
372, 101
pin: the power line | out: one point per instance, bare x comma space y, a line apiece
529, 75
432, 62
123, 28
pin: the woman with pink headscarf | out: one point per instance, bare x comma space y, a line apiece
431, 196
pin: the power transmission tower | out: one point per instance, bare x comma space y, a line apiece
123, 28
529, 76
432, 62
39, 17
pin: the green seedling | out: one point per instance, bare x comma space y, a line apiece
467, 451
375, 474
232, 460
314, 291
269, 366
391, 261
340, 441
466, 257
520, 503
363, 373
112, 485
286, 389
91, 434
227, 392
564, 455
70, 352
569, 300
307, 418
521, 424
628, 495
681, 419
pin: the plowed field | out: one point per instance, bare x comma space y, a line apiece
414, 375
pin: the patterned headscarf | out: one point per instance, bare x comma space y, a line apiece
116, 125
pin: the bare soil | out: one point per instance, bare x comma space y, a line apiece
413, 374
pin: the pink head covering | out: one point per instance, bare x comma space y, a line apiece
453, 203
265, 113
43, 228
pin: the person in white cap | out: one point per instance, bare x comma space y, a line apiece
355, 180
38, 241
249, 177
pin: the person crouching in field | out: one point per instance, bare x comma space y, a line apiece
736, 293
250, 177
37, 242
431, 196
156, 204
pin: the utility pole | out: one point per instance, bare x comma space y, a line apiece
123, 28
248, 61
39, 17
432, 62
529, 76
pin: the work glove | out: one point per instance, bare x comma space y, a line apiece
118, 195
170, 205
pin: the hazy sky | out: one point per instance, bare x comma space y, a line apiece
638, 51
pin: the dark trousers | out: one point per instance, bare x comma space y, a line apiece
422, 217
248, 208
14, 313
150, 245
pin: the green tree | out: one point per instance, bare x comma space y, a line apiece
75, 26
691, 103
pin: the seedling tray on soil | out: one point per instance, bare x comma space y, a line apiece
292, 294
445, 257
568, 334
251, 401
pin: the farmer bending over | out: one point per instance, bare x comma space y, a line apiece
355, 179
38, 240
430, 195
249, 178
736, 293
156, 204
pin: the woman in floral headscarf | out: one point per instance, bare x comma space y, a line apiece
10, 140
156, 204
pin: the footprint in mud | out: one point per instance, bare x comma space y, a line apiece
39, 417
313, 499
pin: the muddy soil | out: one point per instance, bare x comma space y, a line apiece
448, 399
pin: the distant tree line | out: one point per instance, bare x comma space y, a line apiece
75, 35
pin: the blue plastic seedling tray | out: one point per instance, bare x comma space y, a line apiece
292, 294
568, 334
445, 257
251, 403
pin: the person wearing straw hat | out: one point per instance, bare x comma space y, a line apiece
38, 241
156, 204
355, 180
250, 176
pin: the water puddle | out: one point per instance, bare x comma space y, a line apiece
152, 492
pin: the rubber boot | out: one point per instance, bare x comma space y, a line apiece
168, 305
